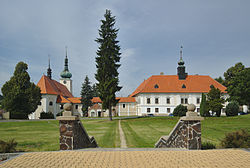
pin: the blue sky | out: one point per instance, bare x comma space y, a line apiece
215, 35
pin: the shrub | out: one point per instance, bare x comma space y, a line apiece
59, 114
232, 109
237, 139
180, 110
207, 145
8, 147
48, 115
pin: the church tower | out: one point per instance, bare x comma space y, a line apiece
66, 75
181, 68
49, 71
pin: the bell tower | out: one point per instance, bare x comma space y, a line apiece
181, 68
66, 75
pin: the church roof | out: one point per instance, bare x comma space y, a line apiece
172, 84
50, 86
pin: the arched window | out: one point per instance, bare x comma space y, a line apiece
51, 103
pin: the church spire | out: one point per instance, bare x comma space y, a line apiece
49, 71
181, 68
65, 73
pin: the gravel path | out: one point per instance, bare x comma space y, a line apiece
122, 136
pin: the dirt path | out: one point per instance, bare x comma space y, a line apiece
122, 136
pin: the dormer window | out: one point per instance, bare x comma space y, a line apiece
183, 86
156, 86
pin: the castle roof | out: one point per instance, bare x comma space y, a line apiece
172, 84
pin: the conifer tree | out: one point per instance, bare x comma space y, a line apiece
21, 96
107, 62
204, 107
95, 91
86, 96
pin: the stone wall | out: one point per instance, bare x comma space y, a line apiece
186, 133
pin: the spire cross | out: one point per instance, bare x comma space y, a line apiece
66, 48
49, 60
181, 52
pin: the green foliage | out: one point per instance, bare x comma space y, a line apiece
238, 139
95, 91
232, 109
59, 114
8, 147
204, 111
207, 145
237, 80
86, 96
44, 115
21, 96
180, 110
215, 100
220, 80
107, 62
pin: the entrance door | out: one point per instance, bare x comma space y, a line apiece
99, 113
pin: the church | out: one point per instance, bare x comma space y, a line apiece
55, 94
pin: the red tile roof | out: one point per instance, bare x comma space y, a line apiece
121, 99
50, 86
172, 84
95, 107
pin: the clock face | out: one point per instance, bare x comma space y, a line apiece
64, 82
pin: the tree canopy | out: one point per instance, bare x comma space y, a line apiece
107, 62
204, 111
86, 96
21, 96
215, 100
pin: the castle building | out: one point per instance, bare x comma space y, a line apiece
160, 94
56, 94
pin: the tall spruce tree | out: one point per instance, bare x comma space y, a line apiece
107, 62
86, 96
21, 96
204, 111
95, 91
215, 100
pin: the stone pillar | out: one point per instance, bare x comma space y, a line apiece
193, 128
72, 133
186, 133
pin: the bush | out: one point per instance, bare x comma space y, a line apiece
48, 115
237, 139
8, 147
59, 114
232, 109
180, 110
207, 145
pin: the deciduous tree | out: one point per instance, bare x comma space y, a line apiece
21, 96
215, 100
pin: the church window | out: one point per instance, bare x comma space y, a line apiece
148, 110
123, 105
64, 82
156, 86
148, 100
76, 106
156, 100
51, 103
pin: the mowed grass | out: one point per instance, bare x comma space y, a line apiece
44, 135
145, 132
139, 133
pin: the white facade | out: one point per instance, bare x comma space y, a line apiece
67, 82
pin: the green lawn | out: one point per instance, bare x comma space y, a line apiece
142, 132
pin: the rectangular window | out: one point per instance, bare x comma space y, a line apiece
182, 100
168, 100
156, 100
148, 100
186, 101
61, 106
168, 110
76, 106
198, 110
198, 101
123, 105
148, 110
157, 110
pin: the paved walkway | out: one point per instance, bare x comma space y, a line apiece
122, 136
131, 158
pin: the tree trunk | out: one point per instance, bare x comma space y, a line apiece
110, 112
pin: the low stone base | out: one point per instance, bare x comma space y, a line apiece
73, 135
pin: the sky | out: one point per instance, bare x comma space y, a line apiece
215, 35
